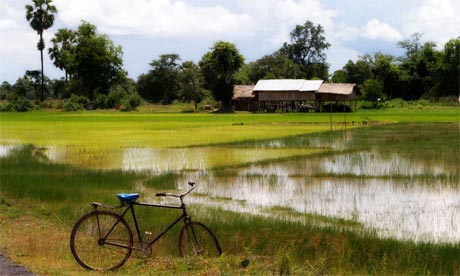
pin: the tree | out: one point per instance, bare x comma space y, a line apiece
359, 71
161, 84
274, 66
307, 48
449, 70
393, 79
64, 43
419, 65
34, 76
191, 83
41, 17
219, 66
373, 90
5, 88
96, 63
411, 45
23, 87
339, 76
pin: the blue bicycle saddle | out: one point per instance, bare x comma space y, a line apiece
127, 197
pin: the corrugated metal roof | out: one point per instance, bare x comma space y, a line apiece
279, 85
288, 85
311, 85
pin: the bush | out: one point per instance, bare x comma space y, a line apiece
131, 102
370, 105
75, 103
101, 101
19, 104
115, 98
134, 100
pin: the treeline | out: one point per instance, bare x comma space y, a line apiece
423, 72
94, 74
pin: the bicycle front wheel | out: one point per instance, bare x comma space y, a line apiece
196, 239
101, 240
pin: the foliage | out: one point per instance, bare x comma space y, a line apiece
307, 48
75, 103
97, 62
241, 77
41, 17
161, 84
191, 83
360, 71
449, 70
115, 98
219, 66
274, 66
422, 72
134, 101
373, 90
17, 104
62, 51
5, 88
339, 76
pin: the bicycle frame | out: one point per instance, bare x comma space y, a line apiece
184, 216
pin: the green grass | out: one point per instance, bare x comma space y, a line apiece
40, 199
103, 128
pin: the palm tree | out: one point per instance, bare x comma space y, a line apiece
41, 17
63, 43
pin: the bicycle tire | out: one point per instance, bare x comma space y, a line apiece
195, 239
93, 248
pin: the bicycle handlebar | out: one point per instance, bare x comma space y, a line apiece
192, 184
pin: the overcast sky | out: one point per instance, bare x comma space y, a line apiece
147, 28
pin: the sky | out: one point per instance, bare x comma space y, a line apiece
148, 28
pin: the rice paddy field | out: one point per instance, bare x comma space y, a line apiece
370, 192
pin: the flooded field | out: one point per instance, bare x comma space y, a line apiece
410, 194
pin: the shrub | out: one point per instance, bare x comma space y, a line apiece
134, 100
115, 98
18, 104
75, 103
101, 101
131, 102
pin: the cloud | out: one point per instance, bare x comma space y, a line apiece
158, 18
376, 29
438, 20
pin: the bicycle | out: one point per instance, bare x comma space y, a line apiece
103, 239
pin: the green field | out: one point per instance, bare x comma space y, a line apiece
40, 200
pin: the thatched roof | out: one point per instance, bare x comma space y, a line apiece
337, 88
243, 91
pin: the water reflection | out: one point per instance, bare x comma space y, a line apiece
6, 150
427, 210
396, 196
159, 161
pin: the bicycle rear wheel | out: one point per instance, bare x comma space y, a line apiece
196, 239
101, 240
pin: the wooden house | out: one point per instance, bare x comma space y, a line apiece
243, 98
338, 95
295, 95
285, 94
